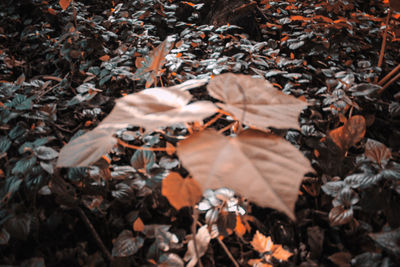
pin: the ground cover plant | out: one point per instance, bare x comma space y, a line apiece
199, 133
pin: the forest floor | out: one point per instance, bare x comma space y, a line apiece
62, 70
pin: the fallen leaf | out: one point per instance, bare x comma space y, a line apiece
262, 167
104, 58
202, 240
350, 133
64, 4
264, 244
181, 192
255, 101
87, 148
261, 243
138, 225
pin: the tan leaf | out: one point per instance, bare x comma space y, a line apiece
261, 243
352, 131
157, 107
262, 167
256, 101
87, 148
202, 240
64, 4
181, 192
377, 151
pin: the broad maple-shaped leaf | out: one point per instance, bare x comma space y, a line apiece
87, 148
150, 108
157, 107
64, 4
256, 101
352, 131
264, 244
181, 192
263, 167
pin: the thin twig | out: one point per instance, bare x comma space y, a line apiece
383, 46
389, 83
94, 233
195, 217
388, 76
228, 252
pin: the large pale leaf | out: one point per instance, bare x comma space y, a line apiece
262, 167
157, 107
256, 101
87, 148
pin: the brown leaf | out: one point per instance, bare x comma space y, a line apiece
256, 101
350, 133
87, 148
157, 107
377, 151
280, 253
64, 4
262, 167
340, 215
158, 55
181, 192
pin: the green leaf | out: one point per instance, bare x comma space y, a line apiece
143, 159
5, 144
45, 153
126, 245
23, 165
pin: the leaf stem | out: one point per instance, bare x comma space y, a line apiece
122, 143
228, 252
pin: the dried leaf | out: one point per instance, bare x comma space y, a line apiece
87, 148
202, 240
261, 243
138, 225
256, 101
240, 228
181, 192
64, 4
262, 167
350, 133
377, 151
280, 253
157, 107
104, 58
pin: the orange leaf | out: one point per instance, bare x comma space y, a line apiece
138, 225
105, 58
64, 4
181, 192
240, 229
350, 133
261, 243
280, 253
